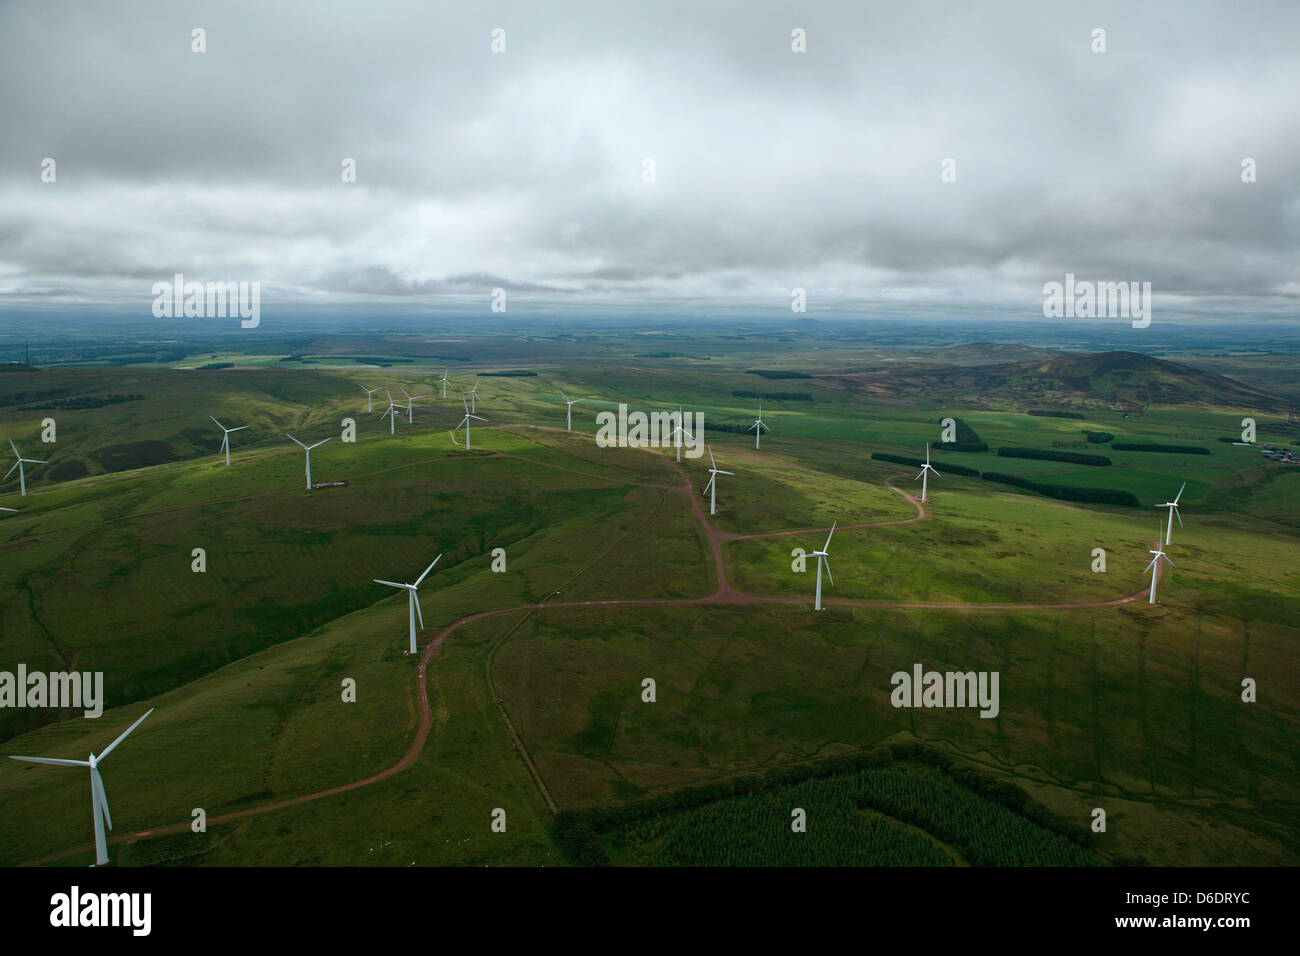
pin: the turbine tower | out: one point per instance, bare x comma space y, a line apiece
758, 427
570, 402
712, 486
308, 449
22, 476
370, 397
98, 801
414, 598
410, 405
444, 383
1173, 513
823, 558
466, 423
225, 438
1154, 568
925, 472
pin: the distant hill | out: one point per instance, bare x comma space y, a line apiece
1068, 380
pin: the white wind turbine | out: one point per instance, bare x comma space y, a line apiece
570, 402
225, 438
712, 486
22, 477
443, 380
391, 414
414, 598
370, 397
1173, 513
679, 431
925, 472
410, 405
758, 427
308, 449
466, 423
823, 558
98, 801
1154, 568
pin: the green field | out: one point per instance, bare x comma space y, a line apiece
1133, 707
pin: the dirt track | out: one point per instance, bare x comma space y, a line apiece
725, 594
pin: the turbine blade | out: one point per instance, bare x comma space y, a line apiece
1148, 567
319, 443
421, 578
415, 596
827, 563
12, 470
98, 783
711, 461
936, 472
109, 749
239, 429
1180, 493
827, 545
391, 584
1178, 516
295, 441
54, 760
1169, 559
919, 474
219, 425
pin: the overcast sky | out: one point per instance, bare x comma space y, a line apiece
773, 169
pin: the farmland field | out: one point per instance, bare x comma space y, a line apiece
571, 573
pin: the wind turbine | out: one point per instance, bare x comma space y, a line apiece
712, 486
679, 431
411, 590
1154, 568
393, 408
570, 402
823, 558
410, 406
370, 397
925, 472
98, 801
444, 383
1173, 513
225, 438
758, 427
308, 449
465, 421
22, 477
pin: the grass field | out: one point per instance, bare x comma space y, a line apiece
1137, 707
